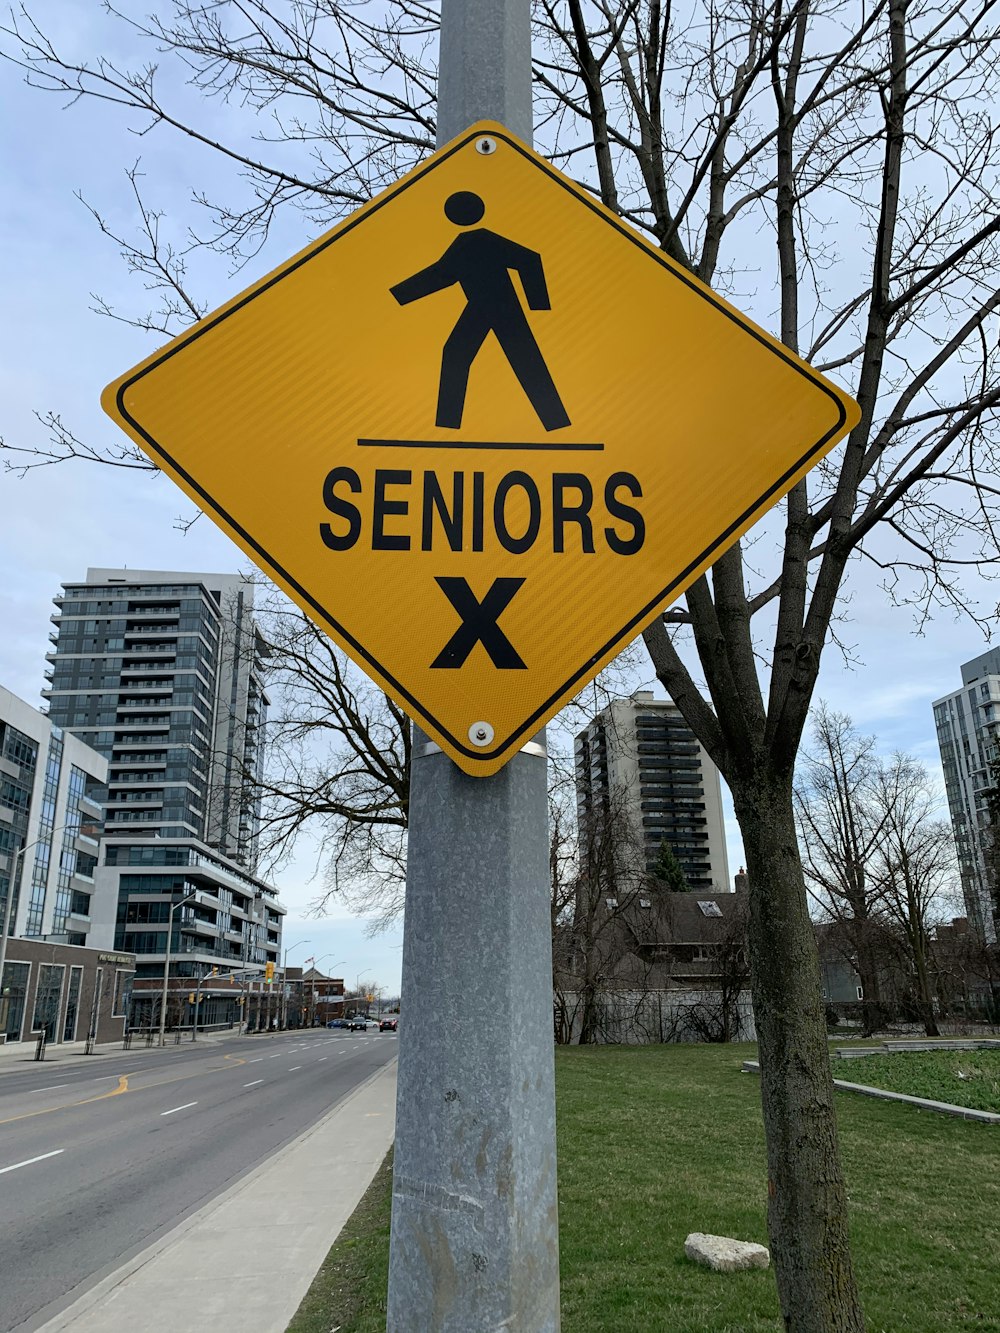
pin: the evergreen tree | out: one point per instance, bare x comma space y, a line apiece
668, 870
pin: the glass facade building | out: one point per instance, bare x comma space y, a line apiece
967, 723
160, 672
51, 787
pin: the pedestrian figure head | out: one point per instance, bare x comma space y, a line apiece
464, 208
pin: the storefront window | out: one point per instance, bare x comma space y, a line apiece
47, 998
12, 996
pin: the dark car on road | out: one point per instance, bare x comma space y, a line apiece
388, 1024
357, 1024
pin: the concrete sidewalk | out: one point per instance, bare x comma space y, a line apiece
246, 1259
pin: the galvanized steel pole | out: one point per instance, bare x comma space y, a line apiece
474, 1238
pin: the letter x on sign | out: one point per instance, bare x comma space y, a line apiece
482, 433
479, 624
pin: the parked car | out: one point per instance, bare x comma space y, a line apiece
371, 1024
357, 1024
388, 1025
337, 1023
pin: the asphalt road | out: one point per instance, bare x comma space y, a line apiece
97, 1161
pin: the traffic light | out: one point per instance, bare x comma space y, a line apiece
191, 997
269, 972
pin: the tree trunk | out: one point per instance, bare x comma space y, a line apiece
807, 1207
588, 1019
872, 1014
925, 998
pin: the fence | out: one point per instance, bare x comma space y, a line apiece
638, 1018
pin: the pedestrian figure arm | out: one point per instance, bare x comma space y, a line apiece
528, 265
433, 278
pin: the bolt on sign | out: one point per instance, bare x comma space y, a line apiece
482, 433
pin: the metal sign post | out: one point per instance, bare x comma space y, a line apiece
474, 1239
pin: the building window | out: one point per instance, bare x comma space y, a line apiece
48, 995
12, 997
72, 1003
123, 991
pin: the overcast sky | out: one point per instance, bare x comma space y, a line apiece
57, 356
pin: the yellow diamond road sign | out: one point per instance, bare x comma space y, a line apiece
482, 433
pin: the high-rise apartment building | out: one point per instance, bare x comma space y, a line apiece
640, 754
968, 724
51, 785
160, 672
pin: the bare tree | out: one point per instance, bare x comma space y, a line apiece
592, 932
860, 140
726, 939
338, 761
915, 867
840, 827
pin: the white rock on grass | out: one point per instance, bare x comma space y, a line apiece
724, 1254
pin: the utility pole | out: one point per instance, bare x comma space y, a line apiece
474, 1236
190, 897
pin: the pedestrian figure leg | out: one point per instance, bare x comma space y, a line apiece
460, 351
518, 342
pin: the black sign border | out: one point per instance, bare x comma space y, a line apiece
714, 548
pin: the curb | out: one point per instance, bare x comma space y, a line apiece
921, 1103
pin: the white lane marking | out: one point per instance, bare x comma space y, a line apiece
51, 1087
272, 1057
178, 1108
254, 1083
255, 1062
322, 1058
17, 1165
293, 1068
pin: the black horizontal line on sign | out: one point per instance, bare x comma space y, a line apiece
471, 444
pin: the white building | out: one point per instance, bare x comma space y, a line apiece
642, 748
50, 826
967, 724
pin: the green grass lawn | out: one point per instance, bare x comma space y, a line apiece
965, 1078
656, 1142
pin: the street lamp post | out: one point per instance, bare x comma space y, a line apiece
166, 962
316, 962
284, 982
312, 1001
357, 985
338, 963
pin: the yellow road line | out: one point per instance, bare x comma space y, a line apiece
114, 1092
124, 1087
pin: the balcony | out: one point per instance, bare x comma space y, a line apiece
78, 921
202, 928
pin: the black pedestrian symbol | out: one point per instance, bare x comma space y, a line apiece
479, 623
480, 262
